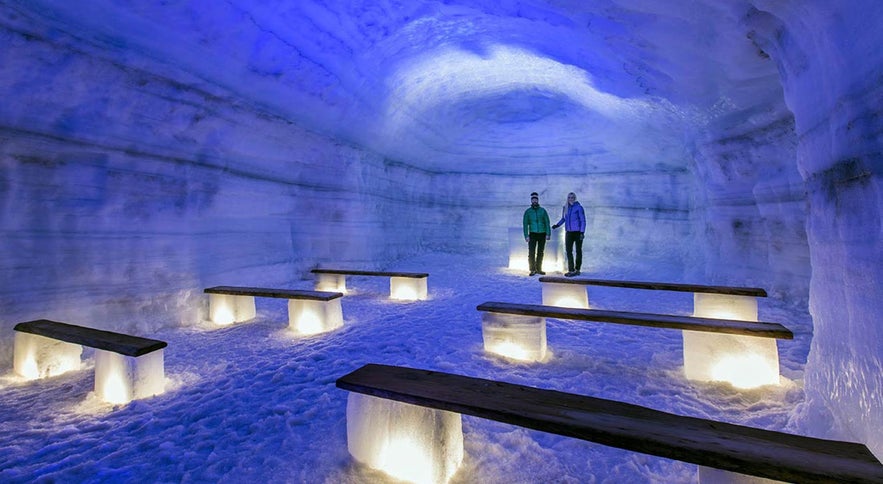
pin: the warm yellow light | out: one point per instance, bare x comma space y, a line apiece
115, 390
405, 293
309, 323
745, 371
511, 350
223, 315
29, 368
568, 302
407, 460
518, 263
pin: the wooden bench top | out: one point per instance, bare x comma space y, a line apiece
278, 293
660, 286
349, 272
123, 344
736, 448
711, 325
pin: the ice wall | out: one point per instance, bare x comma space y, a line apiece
127, 186
831, 69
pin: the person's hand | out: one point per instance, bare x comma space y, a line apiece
527, 239
582, 235
555, 226
548, 236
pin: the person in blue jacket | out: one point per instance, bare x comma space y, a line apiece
537, 231
574, 219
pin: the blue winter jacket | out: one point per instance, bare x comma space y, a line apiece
573, 218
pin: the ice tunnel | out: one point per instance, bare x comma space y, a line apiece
151, 148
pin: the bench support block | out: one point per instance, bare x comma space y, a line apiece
331, 282
743, 361
308, 317
228, 309
565, 295
120, 379
37, 356
408, 442
408, 288
514, 336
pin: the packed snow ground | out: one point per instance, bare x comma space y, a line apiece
254, 403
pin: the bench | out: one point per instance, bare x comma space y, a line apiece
709, 301
707, 443
126, 367
741, 352
309, 312
402, 285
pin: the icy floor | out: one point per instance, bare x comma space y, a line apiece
252, 403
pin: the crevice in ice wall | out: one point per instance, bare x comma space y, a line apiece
124, 192
832, 72
753, 202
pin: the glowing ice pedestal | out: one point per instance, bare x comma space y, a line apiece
514, 336
307, 316
331, 282
744, 361
120, 378
710, 475
408, 442
37, 356
565, 295
228, 309
408, 288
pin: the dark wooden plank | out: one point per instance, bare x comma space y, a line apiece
123, 344
710, 325
278, 293
736, 448
348, 272
660, 286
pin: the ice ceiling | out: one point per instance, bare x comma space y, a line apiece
465, 86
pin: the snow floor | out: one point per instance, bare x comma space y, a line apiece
254, 403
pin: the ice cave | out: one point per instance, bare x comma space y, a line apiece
152, 149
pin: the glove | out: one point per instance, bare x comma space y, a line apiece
555, 226
582, 235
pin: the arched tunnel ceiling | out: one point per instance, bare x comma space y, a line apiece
462, 86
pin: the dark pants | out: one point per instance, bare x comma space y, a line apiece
569, 239
536, 245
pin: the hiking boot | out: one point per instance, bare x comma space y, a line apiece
532, 273
570, 274
575, 273
541, 273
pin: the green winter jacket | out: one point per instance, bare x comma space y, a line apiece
536, 220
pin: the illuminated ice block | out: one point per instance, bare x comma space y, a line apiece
331, 282
120, 378
710, 475
408, 442
228, 309
307, 316
37, 356
514, 336
517, 250
743, 361
408, 288
565, 295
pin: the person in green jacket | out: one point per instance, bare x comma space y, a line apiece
537, 230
